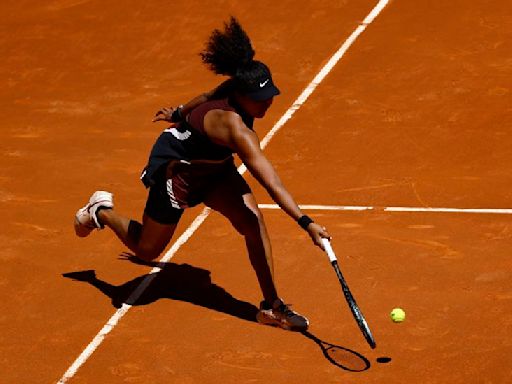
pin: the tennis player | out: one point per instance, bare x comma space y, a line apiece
192, 162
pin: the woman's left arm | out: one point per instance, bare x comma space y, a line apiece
174, 115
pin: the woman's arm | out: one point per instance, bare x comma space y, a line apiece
227, 128
174, 115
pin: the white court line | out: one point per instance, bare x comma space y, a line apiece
112, 322
502, 211
305, 207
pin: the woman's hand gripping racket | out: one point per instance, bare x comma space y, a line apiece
356, 312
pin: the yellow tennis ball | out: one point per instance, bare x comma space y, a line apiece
397, 315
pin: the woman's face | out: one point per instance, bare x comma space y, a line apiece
256, 109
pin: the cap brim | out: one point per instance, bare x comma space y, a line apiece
264, 93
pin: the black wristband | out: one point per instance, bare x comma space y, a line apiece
304, 221
176, 115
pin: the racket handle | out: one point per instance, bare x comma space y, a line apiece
329, 250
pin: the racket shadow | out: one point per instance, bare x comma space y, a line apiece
342, 357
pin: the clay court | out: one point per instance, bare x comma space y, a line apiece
415, 115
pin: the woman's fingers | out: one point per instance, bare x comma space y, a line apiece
163, 114
325, 234
318, 232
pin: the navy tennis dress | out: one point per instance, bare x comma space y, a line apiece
185, 165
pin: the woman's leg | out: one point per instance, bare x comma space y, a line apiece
233, 198
146, 240
237, 203
149, 239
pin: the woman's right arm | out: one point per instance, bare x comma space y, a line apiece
174, 115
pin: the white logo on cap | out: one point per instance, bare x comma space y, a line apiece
264, 83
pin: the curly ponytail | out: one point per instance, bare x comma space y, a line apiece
229, 51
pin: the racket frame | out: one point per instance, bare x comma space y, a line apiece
354, 308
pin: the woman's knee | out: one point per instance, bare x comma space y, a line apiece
148, 252
250, 224
153, 239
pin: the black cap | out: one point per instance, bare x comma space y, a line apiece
266, 90
257, 82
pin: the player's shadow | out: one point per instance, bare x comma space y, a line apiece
194, 285
174, 281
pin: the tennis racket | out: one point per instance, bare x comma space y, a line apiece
356, 312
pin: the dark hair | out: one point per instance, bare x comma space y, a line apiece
230, 52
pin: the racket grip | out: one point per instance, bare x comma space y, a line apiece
328, 249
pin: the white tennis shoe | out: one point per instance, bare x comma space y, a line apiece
86, 219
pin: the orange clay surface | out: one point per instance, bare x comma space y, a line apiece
418, 113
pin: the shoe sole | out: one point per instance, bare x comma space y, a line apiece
278, 324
